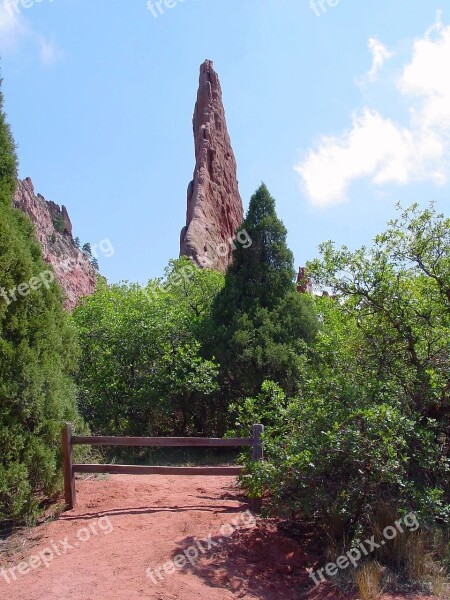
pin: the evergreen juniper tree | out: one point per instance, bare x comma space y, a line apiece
261, 326
262, 274
37, 354
94, 263
87, 249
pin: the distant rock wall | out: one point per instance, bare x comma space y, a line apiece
214, 205
72, 267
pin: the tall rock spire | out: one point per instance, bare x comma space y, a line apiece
214, 205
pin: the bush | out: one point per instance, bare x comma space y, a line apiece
333, 468
372, 420
141, 370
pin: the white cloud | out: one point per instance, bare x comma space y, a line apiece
427, 77
377, 148
14, 31
12, 28
48, 52
380, 54
374, 147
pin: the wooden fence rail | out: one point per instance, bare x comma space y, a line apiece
70, 468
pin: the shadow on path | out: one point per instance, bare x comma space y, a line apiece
149, 510
258, 562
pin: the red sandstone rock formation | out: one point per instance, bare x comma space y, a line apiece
72, 267
214, 205
303, 283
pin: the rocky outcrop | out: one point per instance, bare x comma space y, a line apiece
214, 205
72, 267
304, 285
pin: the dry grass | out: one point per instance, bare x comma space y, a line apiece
440, 584
395, 551
411, 561
416, 558
415, 554
368, 579
422, 567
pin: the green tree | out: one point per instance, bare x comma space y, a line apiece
399, 291
262, 274
94, 263
371, 422
8, 159
141, 371
38, 353
193, 289
87, 249
261, 326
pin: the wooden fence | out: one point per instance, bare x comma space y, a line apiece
69, 441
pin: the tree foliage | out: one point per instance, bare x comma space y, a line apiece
87, 249
261, 326
399, 292
371, 422
263, 273
38, 353
141, 370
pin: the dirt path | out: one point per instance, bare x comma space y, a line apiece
158, 538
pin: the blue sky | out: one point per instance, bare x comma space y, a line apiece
342, 109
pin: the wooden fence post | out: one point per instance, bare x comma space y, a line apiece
69, 476
257, 454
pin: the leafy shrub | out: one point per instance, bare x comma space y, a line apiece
372, 419
141, 371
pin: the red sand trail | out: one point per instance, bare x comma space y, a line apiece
125, 528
